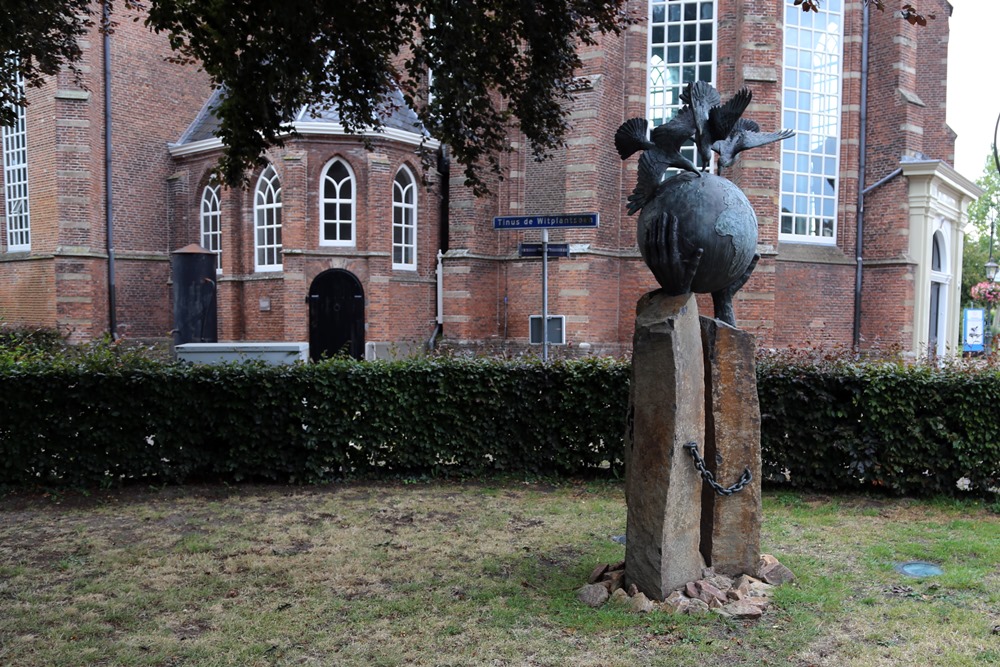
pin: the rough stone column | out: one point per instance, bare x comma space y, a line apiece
731, 524
666, 411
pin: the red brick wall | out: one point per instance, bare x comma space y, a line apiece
400, 305
795, 296
152, 103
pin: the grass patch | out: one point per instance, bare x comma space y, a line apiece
466, 574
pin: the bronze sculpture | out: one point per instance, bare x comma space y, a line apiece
697, 231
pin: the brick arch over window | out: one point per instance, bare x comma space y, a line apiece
267, 221
337, 204
404, 220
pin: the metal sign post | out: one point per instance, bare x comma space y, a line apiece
545, 295
545, 223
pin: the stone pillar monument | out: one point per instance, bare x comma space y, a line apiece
730, 526
667, 370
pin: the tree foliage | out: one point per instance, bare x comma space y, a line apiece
907, 11
501, 68
498, 65
983, 219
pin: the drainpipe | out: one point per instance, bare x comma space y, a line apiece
862, 165
444, 171
440, 302
108, 213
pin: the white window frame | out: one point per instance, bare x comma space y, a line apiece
267, 222
337, 202
671, 65
211, 222
806, 213
15, 179
404, 221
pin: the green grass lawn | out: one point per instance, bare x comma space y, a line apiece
466, 574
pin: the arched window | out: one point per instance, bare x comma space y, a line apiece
211, 222
940, 279
267, 222
336, 204
937, 263
404, 220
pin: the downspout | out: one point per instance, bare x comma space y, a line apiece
444, 171
862, 166
440, 302
108, 212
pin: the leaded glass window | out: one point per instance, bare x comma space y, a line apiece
404, 220
337, 204
211, 222
811, 106
267, 222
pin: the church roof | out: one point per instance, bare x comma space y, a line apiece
396, 115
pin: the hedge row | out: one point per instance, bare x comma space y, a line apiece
907, 429
76, 425
830, 426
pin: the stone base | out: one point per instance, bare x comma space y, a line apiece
730, 529
742, 597
666, 411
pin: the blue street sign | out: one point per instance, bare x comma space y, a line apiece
546, 221
535, 250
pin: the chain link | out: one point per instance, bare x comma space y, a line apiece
709, 478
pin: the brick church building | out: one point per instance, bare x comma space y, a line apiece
366, 249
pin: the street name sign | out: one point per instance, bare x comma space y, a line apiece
562, 221
535, 250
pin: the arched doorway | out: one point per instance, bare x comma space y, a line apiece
336, 315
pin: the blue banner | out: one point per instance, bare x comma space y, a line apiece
973, 330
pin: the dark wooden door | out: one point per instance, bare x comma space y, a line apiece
336, 315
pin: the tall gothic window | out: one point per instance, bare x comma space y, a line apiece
15, 178
681, 50
211, 222
811, 106
337, 204
267, 221
404, 220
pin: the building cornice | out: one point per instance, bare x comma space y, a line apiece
315, 128
943, 171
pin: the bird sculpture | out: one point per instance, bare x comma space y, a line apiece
697, 232
745, 134
659, 155
712, 120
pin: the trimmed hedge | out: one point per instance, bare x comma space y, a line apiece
913, 429
106, 419
78, 425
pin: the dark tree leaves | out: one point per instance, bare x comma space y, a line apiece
907, 11
500, 68
497, 66
41, 36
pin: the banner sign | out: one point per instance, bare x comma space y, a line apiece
973, 330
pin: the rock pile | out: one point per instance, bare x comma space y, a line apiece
743, 597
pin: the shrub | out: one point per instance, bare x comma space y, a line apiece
109, 416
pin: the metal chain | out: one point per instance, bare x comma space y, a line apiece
709, 478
